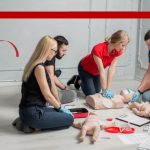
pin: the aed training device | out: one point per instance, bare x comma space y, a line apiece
79, 112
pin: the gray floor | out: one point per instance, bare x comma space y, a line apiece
11, 139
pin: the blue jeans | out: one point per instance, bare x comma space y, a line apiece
45, 118
146, 96
89, 84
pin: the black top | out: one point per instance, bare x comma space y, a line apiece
31, 93
50, 62
149, 56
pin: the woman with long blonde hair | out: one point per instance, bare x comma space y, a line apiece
36, 92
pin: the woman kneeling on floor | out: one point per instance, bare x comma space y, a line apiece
37, 90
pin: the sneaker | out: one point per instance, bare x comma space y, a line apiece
72, 80
76, 83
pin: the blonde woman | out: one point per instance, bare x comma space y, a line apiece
92, 67
36, 91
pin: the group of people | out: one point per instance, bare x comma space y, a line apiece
40, 80
91, 76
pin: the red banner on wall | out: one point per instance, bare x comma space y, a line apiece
74, 14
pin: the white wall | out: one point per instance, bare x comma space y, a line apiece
142, 50
81, 33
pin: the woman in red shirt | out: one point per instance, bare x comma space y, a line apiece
92, 67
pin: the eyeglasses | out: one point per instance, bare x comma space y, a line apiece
56, 51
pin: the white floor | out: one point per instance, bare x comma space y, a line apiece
11, 139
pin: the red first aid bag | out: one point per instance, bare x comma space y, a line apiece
79, 112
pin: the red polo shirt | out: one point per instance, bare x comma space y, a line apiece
101, 51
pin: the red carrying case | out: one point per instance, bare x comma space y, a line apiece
79, 112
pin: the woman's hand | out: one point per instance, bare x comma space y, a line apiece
65, 110
108, 93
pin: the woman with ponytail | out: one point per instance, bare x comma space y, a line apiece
92, 67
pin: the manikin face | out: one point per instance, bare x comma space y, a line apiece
121, 45
148, 43
62, 51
